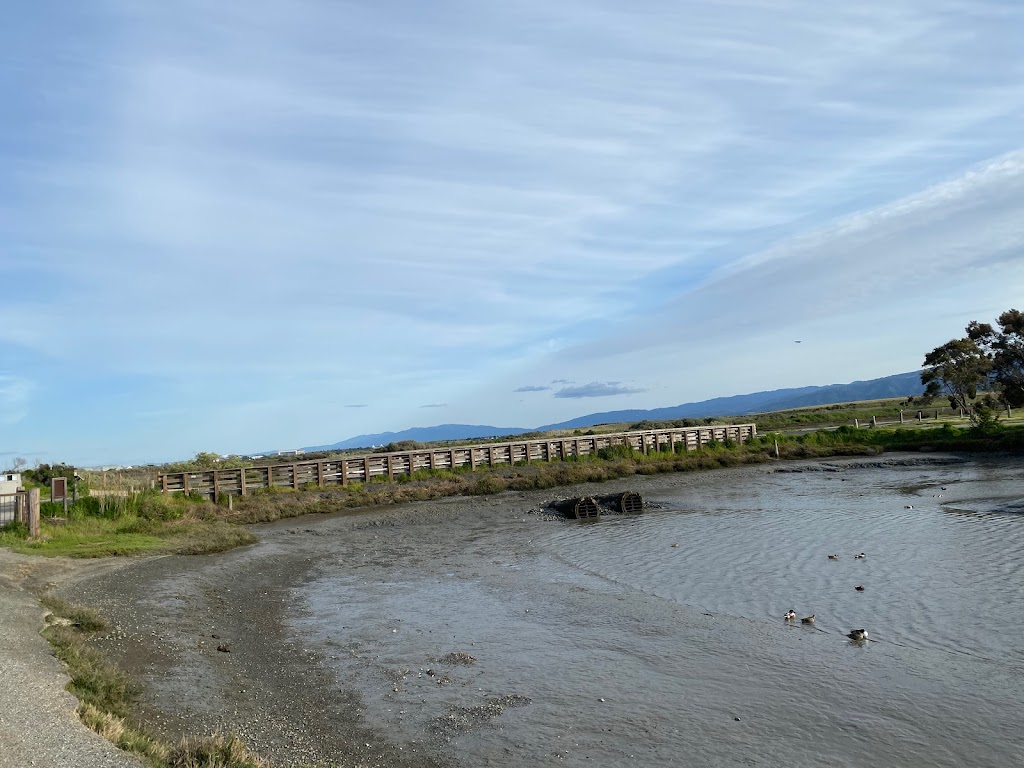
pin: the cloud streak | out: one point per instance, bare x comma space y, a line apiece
239, 210
597, 389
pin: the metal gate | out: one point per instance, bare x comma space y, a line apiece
9, 507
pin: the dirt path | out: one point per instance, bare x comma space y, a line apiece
38, 724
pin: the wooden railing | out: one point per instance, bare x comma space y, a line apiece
342, 471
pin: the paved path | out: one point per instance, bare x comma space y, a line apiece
38, 724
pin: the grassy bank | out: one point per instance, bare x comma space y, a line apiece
140, 523
107, 698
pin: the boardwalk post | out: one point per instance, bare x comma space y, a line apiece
472, 459
344, 472
295, 477
216, 486
320, 474
33, 512
241, 480
366, 470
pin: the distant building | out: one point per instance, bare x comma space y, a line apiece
293, 452
10, 482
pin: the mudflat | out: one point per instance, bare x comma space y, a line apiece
218, 641
485, 631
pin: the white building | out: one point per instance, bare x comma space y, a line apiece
10, 482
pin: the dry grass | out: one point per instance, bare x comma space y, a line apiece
214, 752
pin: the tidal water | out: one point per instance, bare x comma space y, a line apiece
604, 644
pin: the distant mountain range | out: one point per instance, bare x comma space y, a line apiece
900, 385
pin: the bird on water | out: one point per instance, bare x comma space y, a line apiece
807, 619
790, 615
861, 556
858, 635
833, 557
859, 587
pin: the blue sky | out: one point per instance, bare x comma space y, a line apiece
242, 226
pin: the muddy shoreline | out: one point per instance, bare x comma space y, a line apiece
219, 643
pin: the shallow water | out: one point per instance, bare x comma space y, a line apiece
633, 652
943, 566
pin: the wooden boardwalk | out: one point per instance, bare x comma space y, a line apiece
362, 469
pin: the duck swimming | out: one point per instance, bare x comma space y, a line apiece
859, 587
858, 635
833, 557
791, 615
861, 556
807, 619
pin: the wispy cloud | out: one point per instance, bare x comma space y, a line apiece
597, 389
15, 393
434, 405
363, 203
357, 405
532, 388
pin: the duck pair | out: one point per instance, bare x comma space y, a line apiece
791, 616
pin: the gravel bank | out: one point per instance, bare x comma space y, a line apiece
38, 724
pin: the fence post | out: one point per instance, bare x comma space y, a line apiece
856, 423
33, 512
901, 416
21, 507
874, 422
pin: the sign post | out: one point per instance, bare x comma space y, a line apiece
59, 491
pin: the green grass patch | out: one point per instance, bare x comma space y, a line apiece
89, 537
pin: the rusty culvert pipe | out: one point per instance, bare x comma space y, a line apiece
631, 503
586, 508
